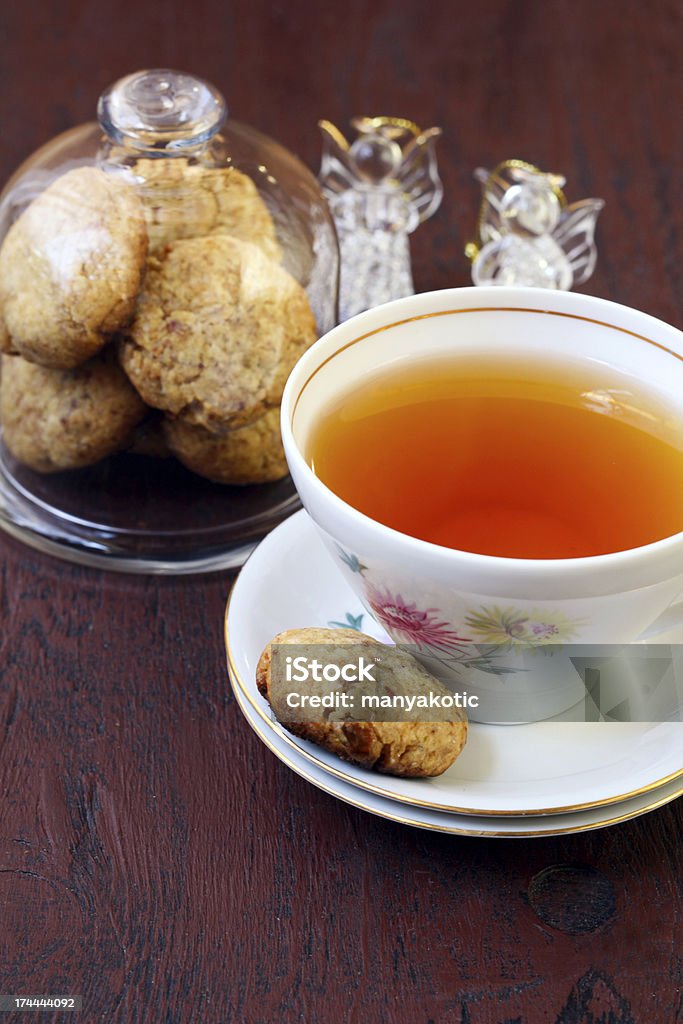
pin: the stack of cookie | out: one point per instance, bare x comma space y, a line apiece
148, 309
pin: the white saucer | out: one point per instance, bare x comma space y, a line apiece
547, 768
445, 821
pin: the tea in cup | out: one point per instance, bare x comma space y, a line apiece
497, 471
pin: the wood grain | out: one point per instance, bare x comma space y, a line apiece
154, 857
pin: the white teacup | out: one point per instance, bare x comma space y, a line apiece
429, 595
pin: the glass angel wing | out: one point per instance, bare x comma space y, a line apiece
575, 234
527, 233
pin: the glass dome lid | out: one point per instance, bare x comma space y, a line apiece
161, 271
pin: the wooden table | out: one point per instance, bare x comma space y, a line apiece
154, 857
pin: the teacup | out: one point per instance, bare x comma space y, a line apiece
445, 601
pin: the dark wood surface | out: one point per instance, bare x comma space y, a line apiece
154, 857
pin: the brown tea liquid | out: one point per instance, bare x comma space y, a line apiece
520, 459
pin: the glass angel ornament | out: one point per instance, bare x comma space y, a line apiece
527, 233
379, 188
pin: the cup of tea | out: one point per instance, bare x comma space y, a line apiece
498, 473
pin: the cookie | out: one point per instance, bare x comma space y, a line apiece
248, 455
65, 419
218, 328
71, 267
5, 340
183, 200
412, 749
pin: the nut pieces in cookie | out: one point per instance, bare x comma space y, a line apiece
71, 268
252, 454
66, 419
411, 748
217, 330
207, 327
183, 200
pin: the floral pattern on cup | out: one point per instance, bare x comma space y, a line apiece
407, 623
351, 621
492, 630
495, 625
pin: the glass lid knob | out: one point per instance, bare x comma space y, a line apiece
161, 109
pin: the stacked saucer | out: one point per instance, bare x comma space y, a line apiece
546, 778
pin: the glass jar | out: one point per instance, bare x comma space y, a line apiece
195, 272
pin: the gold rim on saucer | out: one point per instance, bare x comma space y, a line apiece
446, 829
239, 683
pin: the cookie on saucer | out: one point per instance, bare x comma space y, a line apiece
412, 749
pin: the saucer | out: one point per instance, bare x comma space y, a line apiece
509, 827
546, 768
